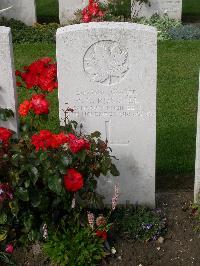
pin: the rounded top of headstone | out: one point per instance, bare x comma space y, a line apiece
105, 25
4, 29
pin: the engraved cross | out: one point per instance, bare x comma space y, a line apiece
114, 135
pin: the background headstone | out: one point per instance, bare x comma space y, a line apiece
67, 8
8, 98
197, 162
107, 72
173, 8
23, 10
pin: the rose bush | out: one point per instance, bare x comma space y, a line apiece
45, 174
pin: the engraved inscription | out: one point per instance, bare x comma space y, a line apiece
106, 62
115, 103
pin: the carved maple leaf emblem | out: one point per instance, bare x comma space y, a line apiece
106, 62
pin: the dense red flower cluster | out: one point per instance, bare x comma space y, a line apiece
45, 139
40, 73
5, 192
38, 104
75, 144
5, 135
73, 180
92, 12
101, 234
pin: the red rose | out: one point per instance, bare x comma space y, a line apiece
101, 234
42, 140
61, 138
40, 73
5, 135
18, 84
39, 104
18, 73
24, 108
76, 145
45, 139
87, 18
73, 180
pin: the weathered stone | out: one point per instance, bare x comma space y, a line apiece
107, 73
197, 162
23, 10
8, 97
173, 8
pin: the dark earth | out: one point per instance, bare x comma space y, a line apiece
181, 244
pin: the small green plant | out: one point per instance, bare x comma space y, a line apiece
140, 223
196, 215
74, 246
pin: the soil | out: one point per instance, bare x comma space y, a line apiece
181, 244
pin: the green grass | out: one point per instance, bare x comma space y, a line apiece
191, 10
191, 7
178, 66
47, 11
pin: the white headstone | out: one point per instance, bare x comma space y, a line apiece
8, 97
69, 7
197, 162
173, 8
23, 10
107, 72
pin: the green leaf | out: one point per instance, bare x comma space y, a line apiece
54, 184
3, 234
27, 183
22, 193
3, 218
81, 155
113, 170
14, 207
65, 160
35, 198
5, 114
35, 174
96, 134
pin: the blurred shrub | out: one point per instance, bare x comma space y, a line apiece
184, 32
27, 34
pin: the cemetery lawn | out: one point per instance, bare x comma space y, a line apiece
191, 7
178, 70
191, 10
47, 11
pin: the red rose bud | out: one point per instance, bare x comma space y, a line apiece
24, 108
9, 248
5, 135
101, 234
73, 180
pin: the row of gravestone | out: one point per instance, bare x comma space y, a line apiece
107, 72
26, 11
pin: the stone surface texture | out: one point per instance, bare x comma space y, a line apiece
8, 97
173, 8
107, 72
23, 10
197, 161
67, 9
